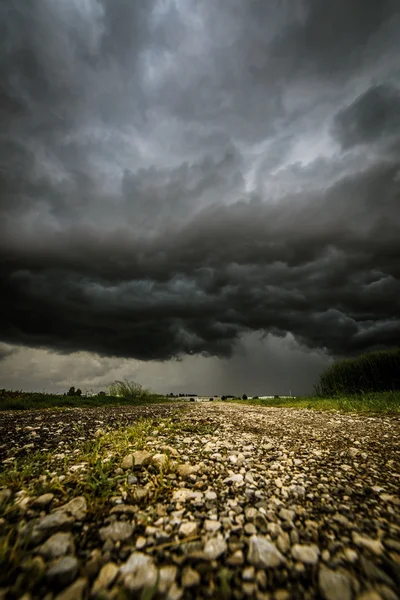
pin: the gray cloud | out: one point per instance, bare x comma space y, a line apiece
175, 176
372, 116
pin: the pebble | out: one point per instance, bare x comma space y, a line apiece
167, 576
214, 548
139, 572
116, 532
188, 529
63, 572
212, 526
77, 508
374, 546
141, 458
262, 554
43, 501
59, 544
334, 585
190, 577
127, 462
106, 577
306, 554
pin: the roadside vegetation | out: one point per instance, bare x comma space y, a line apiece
372, 372
120, 393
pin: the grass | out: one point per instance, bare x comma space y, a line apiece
379, 402
29, 401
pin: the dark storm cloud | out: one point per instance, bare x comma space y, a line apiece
327, 274
372, 116
170, 180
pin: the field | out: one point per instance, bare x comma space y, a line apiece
379, 402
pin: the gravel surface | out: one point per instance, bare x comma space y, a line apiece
204, 501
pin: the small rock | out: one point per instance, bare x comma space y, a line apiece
188, 529
374, 546
57, 545
350, 555
127, 462
186, 470
166, 577
238, 478
43, 500
140, 543
250, 529
190, 577
262, 554
76, 591
141, 493
286, 514
77, 508
141, 458
212, 526
283, 542
248, 573
54, 521
214, 548
306, 554
182, 495
334, 585
132, 480
105, 578
249, 478
116, 532
210, 495
175, 592
139, 572
160, 460
63, 572
236, 559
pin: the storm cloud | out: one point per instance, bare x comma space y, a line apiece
175, 176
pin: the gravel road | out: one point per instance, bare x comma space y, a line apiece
212, 500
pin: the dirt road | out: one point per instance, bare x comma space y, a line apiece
206, 500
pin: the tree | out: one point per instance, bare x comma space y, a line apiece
78, 392
71, 391
244, 397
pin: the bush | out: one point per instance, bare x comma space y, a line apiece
244, 397
372, 372
131, 390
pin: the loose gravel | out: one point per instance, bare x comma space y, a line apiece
208, 500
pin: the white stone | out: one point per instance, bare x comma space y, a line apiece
262, 554
188, 529
212, 526
307, 554
214, 548
139, 572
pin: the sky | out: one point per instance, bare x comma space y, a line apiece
201, 196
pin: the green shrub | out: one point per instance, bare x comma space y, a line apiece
372, 372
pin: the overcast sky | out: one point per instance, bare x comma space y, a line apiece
200, 195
